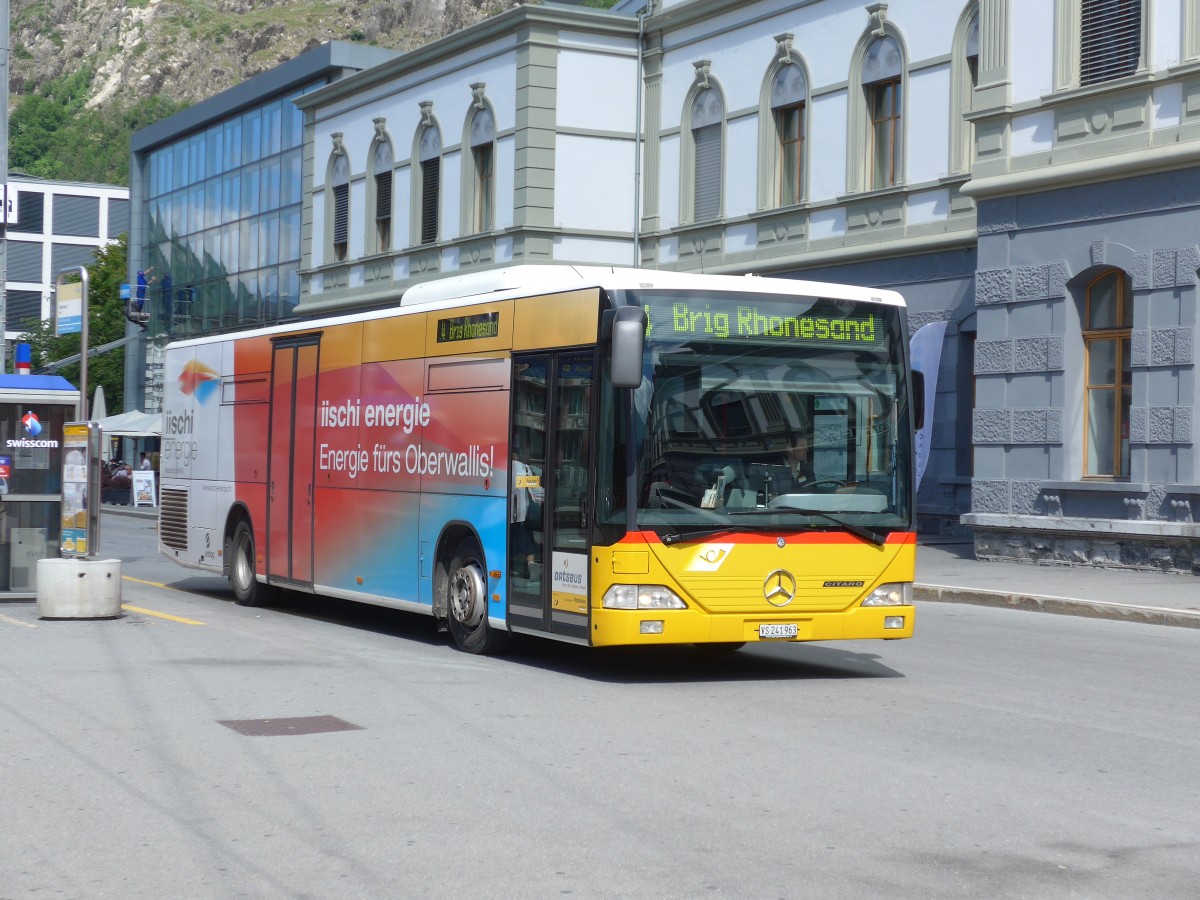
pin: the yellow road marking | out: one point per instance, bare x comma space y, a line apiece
157, 584
10, 621
160, 615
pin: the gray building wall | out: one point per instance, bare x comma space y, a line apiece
1037, 254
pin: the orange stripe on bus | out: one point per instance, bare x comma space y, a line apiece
761, 537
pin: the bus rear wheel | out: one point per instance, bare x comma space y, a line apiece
466, 601
242, 575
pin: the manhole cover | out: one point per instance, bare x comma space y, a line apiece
297, 725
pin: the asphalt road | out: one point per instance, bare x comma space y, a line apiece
998, 754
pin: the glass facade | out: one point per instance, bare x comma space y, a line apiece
223, 222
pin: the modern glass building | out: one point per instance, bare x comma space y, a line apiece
216, 207
223, 222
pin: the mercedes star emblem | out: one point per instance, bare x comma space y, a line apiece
780, 587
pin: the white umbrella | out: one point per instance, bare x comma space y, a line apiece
135, 424
99, 407
100, 411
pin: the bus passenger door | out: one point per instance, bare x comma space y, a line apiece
550, 486
291, 459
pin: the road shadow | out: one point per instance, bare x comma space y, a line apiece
687, 664
666, 664
347, 613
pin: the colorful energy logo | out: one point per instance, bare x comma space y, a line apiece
32, 426
198, 380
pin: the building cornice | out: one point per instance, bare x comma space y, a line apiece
504, 25
1073, 174
869, 250
684, 14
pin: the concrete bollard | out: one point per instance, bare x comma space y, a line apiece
79, 588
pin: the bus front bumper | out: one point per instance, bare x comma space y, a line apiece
616, 627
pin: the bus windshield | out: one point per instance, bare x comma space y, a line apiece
763, 411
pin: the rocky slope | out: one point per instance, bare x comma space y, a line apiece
188, 50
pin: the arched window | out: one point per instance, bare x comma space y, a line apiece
789, 94
883, 83
707, 122
382, 161
483, 142
339, 180
1107, 325
429, 159
964, 77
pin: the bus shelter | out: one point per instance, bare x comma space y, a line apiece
33, 410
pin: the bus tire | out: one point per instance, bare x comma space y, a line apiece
465, 584
246, 589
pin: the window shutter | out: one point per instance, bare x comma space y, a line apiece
1110, 40
383, 195
431, 176
22, 307
76, 216
31, 206
707, 193
341, 213
25, 261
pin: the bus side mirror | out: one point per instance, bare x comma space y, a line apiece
918, 383
628, 339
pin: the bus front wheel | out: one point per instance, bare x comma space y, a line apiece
242, 578
466, 601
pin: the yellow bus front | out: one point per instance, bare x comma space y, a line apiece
745, 588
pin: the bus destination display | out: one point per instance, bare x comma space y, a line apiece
468, 328
821, 324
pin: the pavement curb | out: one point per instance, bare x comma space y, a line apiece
138, 512
1063, 606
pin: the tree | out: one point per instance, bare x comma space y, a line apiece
53, 135
106, 323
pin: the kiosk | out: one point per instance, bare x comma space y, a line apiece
33, 410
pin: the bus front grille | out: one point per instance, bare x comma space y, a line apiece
172, 522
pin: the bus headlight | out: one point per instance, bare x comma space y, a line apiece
642, 596
896, 594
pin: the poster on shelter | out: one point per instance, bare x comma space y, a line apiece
143, 489
74, 488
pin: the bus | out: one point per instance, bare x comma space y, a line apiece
596, 455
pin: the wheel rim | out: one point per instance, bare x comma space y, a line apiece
467, 594
243, 568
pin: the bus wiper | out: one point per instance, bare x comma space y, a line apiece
674, 537
859, 531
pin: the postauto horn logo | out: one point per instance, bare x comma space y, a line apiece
198, 380
32, 426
